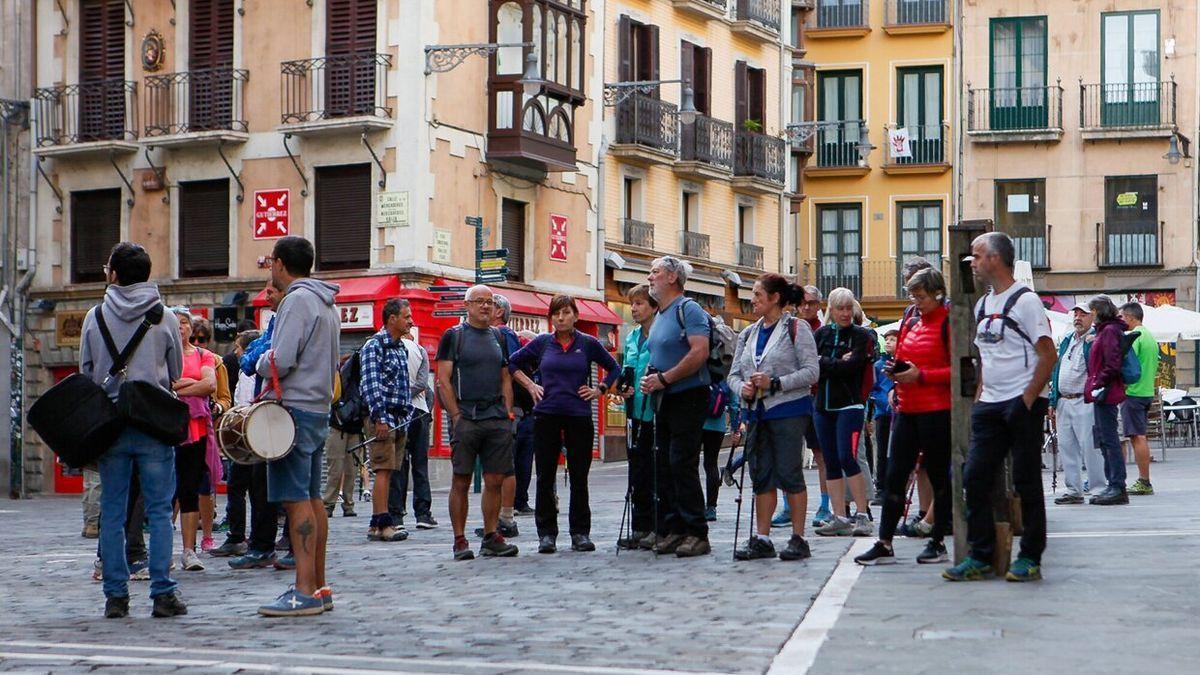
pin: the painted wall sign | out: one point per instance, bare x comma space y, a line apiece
558, 237
391, 209
271, 213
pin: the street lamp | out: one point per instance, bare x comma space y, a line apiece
616, 92
799, 133
1173, 153
531, 81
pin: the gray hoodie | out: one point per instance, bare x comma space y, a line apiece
159, 357
305, 346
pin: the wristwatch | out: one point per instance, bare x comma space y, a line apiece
662, 380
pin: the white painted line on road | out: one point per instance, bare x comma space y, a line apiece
1124, 533
197, 663
800, 651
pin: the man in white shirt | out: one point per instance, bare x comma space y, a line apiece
416, 453
1016, 354
1073, 415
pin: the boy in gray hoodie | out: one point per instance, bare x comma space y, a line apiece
158, 359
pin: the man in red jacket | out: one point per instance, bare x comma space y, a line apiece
1106, 390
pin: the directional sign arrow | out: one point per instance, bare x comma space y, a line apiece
491, 254
451, 297
493, 264
447, 289
447, 313
474, 221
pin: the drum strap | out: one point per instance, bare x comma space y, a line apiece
275, 388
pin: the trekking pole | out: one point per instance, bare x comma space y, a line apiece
391, 430
741, 482
625, 510
912, 484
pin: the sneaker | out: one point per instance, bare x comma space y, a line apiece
546, 544
348, 513
1024, 569
782, 518
922, 529
710, 514
648, 542
756, 548
229, 548
632, 542
139, 570
507, 529
1141, 487
97, 570
494, 546
822, 516
693, 546
581, 542
863, 527
287, 562
293, 603
935, 552
252, 560
168, 604
797, 549
462, 550
190, 561
283, 543
836, 527
1069, 498
880, 554
909, 527
426, 522
91, 531
668, 544
325, 593
116, 608
1111, 497
969, 569
328, 510
206, 544
526, 510
392, 534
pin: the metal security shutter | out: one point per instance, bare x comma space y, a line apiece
343, 217
102, 58
350, 82
95, 229
204, 228
210, 39
512, 235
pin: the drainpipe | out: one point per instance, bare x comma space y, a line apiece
785, 97
956, 57
601, 240
1194, 130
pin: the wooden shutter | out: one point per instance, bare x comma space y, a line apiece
624, 49
210, 56
95, 229
204, 228
512, 235
702, 78
741, 106
102, 58
350, 70
343, 217
756, 87
652, 60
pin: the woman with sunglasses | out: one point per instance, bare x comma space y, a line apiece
221, 400
194, 388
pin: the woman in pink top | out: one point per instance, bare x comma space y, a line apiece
197, 384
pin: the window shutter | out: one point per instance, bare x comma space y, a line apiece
350, 83
624, 49
757, 86
204, 228
102, 57
512, 235
343, 217
703, 80
740, 104
687, 64
95, 229
653, 60
210, 39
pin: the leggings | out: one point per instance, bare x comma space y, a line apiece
929, 434
189, 473
838, 431
711, 442
551, 433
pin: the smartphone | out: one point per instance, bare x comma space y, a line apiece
900, 366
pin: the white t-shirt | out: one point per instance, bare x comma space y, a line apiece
1008, 360
415, 353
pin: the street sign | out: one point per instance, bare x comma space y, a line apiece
451, 297
447, 306
271, 213
491, 278
448, 289
493, 264
474, 221
449, 312
491, 254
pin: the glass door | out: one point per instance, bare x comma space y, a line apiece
919, 236
840, 247
920, 111
1130, 84
841, 102
1018, 73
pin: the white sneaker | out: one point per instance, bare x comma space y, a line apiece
191, 562
837, 526
863, 527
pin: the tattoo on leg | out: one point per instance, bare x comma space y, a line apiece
305, 529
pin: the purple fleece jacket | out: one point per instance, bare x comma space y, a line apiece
564, 371
1104, 364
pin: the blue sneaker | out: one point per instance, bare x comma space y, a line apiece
822, 516
287, 562
1024, 569
969, 569
253, 560
293, 603
783, 517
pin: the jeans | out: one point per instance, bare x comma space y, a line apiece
416, 460
523, 460
550, 434
1077, 445
883, 438
135, 517
641, 476
237, 488
264, 521
838, 432
997, 429
156, 467
929, 435
1110, 444
711, 444
678, 427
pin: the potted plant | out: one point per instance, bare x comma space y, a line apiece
752, 125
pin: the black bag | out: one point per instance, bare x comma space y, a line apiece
350, 412
77, 420
144, 405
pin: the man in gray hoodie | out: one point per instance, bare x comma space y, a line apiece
304, 356
158, 359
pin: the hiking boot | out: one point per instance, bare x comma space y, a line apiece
426, 522
293, 603
935, 552
782, 517
863, 527
647, 542
462, 550
710, 514
228, 549
525, 510
390, 533
581, 542
693, 546
668, 544
91, 531
836, 527
797, 549
253, 560
1069, 498
822, 516
546, 545
1111, 497
168, 604
1024, 569
508, 529
116, 608
922, 529
756, 548
909, 527
969, 569
494, 546
880, 554
631, 542
348, 512
1141, 487
329, 510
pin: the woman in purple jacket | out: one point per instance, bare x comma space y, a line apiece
563, 416
1106, 390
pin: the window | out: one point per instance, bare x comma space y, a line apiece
690, 221
919, 103
840, 93
745, 223
1129, 68
1131, 221
102, 66
512, 236
919, 236
797, 27
210, 56
750, 97
631, 198
1018, 73
343, 217
204, 228
799, 97
637, 51
95, 229
795, 171
695, 69
839, 247
1021, 213
350, 67
920, 11
840, 13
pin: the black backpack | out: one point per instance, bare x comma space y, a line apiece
350, 412
1006, 321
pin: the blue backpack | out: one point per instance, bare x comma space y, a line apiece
1131, 367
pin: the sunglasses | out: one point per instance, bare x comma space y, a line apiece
199, 339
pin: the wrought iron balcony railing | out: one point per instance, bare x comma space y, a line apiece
709, 141
1138, 105
86, 112
837, 143
843, 13
915, 12
1129, 245
1015, 108
760, 155
340, 85
638, 233
695, 245
750, 255
765, 13
193, 101
927, 144
648, 121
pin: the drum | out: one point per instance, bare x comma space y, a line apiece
259, 432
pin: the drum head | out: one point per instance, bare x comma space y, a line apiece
270, 431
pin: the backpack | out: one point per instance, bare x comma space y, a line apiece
456, 349
1007, 321
1131, 367
718, 400
721, 343
349, 412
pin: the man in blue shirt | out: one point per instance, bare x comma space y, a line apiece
384, 389
678, 378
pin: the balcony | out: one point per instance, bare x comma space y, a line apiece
1031, 244
637, 233
195, 107
705, 149
695, 245
339, 93
912, 17
759, 163
1129, 245
839, 18
647, 131
87, 118
703, 9
757, 19
750, 255
927, 148
1015, 115
878, 281
836, 149
1121, 111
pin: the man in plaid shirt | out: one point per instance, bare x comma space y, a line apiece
384, 390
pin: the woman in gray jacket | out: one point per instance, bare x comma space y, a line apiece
773, 371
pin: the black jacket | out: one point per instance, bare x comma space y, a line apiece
843, 382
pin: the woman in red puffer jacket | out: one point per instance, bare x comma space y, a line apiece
921, 370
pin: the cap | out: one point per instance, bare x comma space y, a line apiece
1081, 307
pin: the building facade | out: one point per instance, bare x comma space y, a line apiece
1079, 122
874, 85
